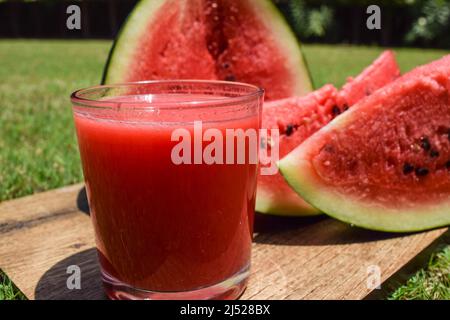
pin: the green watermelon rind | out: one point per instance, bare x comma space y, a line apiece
300, 175
129, 35
127, 38
272, 207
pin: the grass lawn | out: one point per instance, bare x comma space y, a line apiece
38, 149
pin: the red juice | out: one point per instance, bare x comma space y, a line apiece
160, 226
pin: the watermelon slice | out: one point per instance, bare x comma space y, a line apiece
246, 41
298, 118
384, 164
382, 71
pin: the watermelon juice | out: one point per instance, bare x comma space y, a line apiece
166, 229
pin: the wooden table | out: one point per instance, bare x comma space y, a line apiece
293, 258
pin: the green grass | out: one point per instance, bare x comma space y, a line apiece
430, 283
332, 64
8, 290
38, 148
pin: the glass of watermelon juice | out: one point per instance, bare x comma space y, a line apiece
172, 211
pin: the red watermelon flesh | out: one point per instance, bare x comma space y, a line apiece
437, 66
297, 118
385, 164
382, 71
246, 41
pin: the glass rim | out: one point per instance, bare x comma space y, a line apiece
77, 98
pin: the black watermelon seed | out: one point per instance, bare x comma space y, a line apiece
329, 148
225, 65
448, 134
448, 164
434, 153
230, 77
421, 172
425, 143
289, 129
345, 107
407, 168
336, 111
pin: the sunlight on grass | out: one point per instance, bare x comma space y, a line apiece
430, 283
7, 289
38, 146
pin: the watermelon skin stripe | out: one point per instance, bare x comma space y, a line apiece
301, 174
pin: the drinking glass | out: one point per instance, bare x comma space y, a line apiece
170, 175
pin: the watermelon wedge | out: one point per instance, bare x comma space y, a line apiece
246, 41
384, 164
382, 71
299, 117
296, 118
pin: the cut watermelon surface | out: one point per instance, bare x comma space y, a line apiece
298, 118
246, 41
382, 71
384, 164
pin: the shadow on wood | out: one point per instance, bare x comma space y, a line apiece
53, 283
271, 223
313, 231
409, 269
82, 201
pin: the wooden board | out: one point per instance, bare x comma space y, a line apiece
293, 258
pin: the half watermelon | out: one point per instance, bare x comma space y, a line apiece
246, 41
384, 164
298, 118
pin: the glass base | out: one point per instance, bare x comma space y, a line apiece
229, 289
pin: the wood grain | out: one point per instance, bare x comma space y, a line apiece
293, 258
